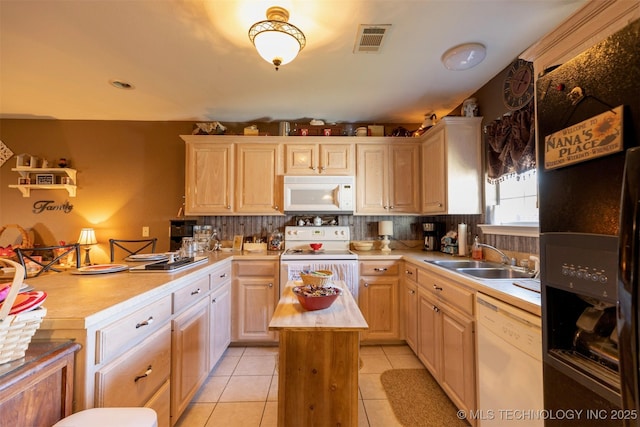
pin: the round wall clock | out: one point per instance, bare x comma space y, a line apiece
518, 84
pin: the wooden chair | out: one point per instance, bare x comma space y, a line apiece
132, 247
47, 257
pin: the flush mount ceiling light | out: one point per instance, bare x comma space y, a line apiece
276, 40
464, 56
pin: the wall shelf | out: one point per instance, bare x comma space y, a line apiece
26, 172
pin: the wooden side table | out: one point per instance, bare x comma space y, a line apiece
37, 390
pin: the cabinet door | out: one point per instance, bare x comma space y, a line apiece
404, 179
301, 159
429, 335
410, 310
434, 194
220, 323
378, 301
258, 172
190, 350
209, 178
458, 359
372, 177
336, 159
254, 301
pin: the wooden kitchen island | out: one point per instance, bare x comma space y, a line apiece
318, 361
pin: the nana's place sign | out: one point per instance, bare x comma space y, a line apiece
598, 136
41, 206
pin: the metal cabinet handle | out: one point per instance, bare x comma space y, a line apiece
436, 309
196, 292
379, 269
146, 374
214, 300
412, 292
408, 272
228, 206
312, 168
366, 285
276, 208
322, 168
437, 288
271, 285
223, 275
145, 322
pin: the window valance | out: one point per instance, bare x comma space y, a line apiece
511, 144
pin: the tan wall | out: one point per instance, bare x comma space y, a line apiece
130, 175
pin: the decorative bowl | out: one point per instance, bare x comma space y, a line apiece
363, 246
315, 246
316, 278
316, 298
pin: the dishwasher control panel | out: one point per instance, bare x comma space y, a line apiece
516, 327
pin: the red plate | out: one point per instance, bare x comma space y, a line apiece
27, 301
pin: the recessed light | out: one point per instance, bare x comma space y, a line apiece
464, 56
120, 84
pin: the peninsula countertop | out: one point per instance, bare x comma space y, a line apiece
343, 314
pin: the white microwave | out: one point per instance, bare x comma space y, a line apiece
319, 194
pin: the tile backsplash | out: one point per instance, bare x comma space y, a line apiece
405, 228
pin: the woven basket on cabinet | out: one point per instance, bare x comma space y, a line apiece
16, 330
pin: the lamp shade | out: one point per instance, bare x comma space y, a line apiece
87, 237
385, 228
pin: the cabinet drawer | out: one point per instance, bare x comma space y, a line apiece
449, 292
191, 293
133, 378
379, 268
255, 268
410, 272
220, 276
126, 332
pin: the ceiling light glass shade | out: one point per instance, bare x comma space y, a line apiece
277, 41
464, 56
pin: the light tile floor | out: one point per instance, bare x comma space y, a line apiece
242, 390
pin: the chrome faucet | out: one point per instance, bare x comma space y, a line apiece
505, 258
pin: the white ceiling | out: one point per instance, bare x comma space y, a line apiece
192, 59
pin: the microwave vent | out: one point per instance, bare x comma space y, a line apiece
371, 38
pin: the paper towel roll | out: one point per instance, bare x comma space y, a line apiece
462, 239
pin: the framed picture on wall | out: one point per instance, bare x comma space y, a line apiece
44, 179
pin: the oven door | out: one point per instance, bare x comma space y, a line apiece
345, 270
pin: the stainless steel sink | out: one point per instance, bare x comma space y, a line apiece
494, 273
465, 263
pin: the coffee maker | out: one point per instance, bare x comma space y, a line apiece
431, 238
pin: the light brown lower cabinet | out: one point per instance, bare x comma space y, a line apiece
378, 294
446, 338
190, 349
255, 294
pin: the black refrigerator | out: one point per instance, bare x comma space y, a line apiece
588, 130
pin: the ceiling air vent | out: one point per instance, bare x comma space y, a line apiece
370, 38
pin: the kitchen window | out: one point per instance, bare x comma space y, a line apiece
512, 206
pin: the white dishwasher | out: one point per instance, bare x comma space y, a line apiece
509, 365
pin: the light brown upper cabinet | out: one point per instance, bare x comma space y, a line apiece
259, 178
232, 175
388, 178
209, 178
452, 167
313, 158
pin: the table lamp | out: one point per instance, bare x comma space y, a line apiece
385, 229
87, 238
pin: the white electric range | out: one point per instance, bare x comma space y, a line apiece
334, 254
